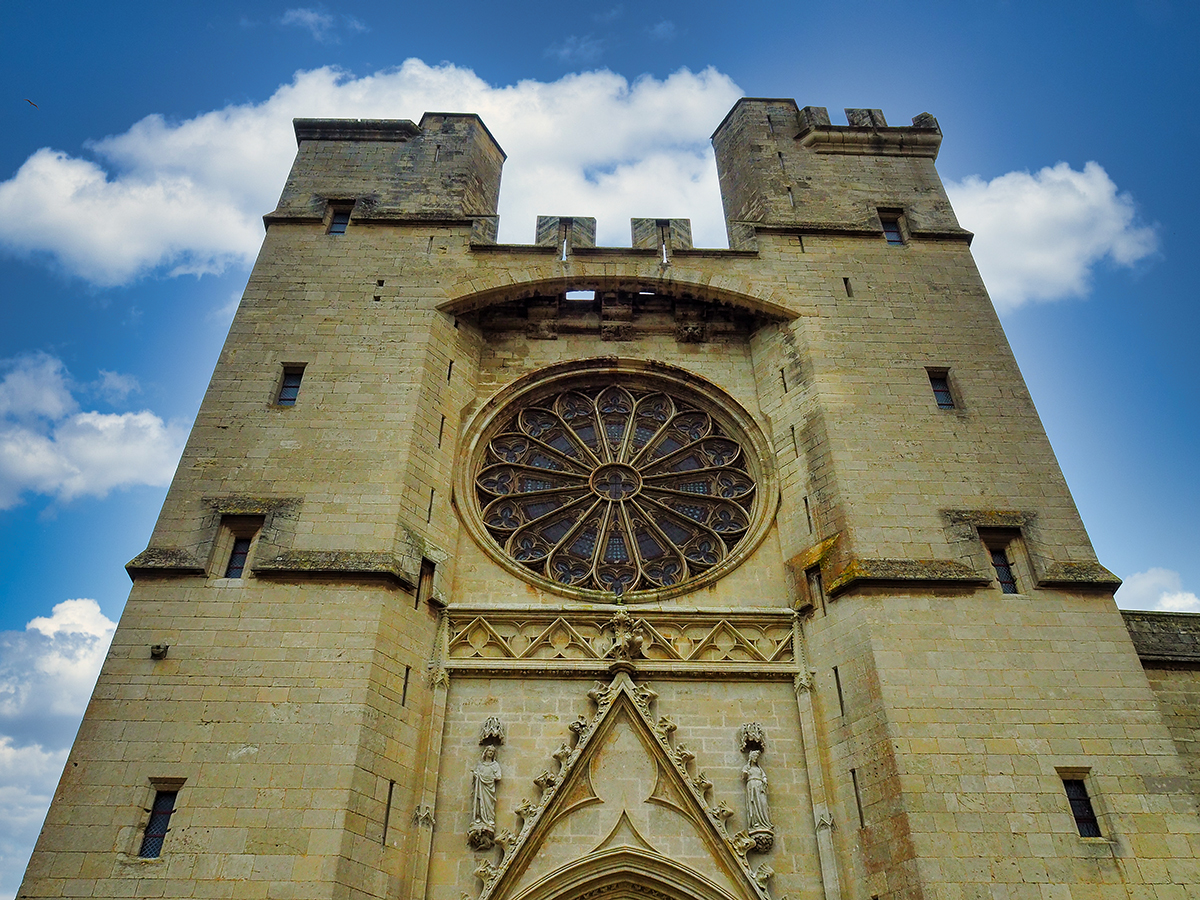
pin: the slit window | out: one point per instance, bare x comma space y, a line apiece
1004, 570
289, 388
339, 219
1081, 807
156, 828
892, 231
424, 583
940, 382
237, 557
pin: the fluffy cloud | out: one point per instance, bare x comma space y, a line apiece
50, 446
46, 676
187, 197
1041, 236
1156, 588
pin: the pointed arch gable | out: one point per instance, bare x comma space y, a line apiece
610, 873
635, 861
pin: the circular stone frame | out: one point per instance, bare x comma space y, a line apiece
491, 418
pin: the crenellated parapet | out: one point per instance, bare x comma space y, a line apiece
783, 167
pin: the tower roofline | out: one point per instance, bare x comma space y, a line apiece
379, 130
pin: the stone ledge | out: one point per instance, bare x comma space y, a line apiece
875, 141
884, 571
1164, 636
164, 561
344, 563
1075, 574
355, 129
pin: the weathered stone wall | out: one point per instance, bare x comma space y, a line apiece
323, 715
1169, 647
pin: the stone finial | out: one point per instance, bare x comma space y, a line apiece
866, 118
762, 875
561, 755
926, 120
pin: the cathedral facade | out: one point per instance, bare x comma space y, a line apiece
553, 571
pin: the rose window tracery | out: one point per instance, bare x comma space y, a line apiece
614, 489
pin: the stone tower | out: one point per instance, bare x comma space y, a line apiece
528, 572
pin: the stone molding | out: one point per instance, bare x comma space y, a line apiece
548, 643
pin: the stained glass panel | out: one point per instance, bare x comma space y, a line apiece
615, 489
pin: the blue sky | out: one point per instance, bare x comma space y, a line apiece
130, 197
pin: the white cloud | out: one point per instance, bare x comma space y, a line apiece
188, 197
1156, 588
663, 31
1041, 236
47, 673
318, 24
108, 230
576, 49
49, 446
115, 387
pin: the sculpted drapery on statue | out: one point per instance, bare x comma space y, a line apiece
484, 780
758, 814
484, 777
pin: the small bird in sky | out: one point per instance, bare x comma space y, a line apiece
31, 103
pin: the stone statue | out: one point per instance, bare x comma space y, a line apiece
484, 777
758, 815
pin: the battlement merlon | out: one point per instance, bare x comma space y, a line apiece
444, 169
782, 167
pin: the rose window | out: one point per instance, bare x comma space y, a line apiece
615, 490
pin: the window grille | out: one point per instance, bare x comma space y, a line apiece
156, 828
237, 558
1081, 807
1004, 572
289, 388
940, 382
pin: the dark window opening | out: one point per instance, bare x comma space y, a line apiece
837, 682
404, 689
862, 820
387, 813
156, 828
891, 229
940, 382
339, 220
424, 583
816, 588
1081, 807
237, 558
1004, 572
846, 285
289, 388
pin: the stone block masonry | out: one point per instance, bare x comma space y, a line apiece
593, 515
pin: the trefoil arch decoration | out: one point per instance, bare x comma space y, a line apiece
620, 480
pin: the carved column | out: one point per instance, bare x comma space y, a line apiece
814, 767
432, 738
